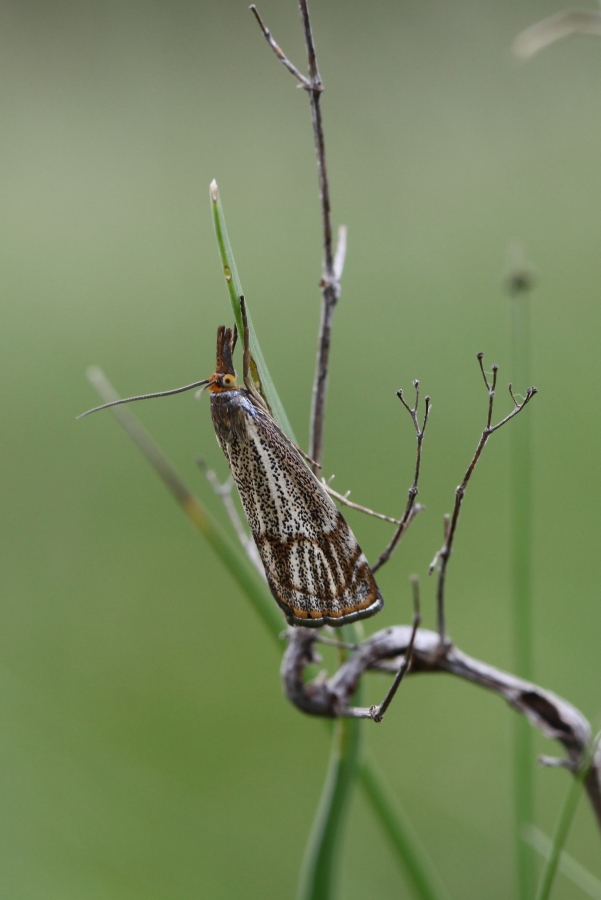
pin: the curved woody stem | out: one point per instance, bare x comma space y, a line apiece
384, 651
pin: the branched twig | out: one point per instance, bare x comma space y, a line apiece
443, 556
332, 697
411, 509
224, 492
332, 266
343, 498
304, 82
377, 712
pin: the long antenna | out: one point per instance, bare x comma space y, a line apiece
180, 390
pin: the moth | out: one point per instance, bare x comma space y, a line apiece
314, 565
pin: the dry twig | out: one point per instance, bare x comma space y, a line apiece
554, 717
442, 557
332, 265
377, 712
411, 509
343, 498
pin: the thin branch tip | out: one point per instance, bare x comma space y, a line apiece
303, 81
412, 508
214, 191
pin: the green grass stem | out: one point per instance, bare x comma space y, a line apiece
319, 873
412, 860
521, 553
568, 866
230, 553
561, 832
422, 878
319, 877
259, 368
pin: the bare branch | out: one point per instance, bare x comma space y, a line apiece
278, 51
411, 509
377, 712
330, 285
554, 717
331, 269
444, 554
343, 498
310, 44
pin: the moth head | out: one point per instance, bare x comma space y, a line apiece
224, 378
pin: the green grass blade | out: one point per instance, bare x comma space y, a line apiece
319, 878
347, 762
561, 832
412, 859
568, 866
519, 283
232, 556
259, 368
422, 878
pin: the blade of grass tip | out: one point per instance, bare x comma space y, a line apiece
319, 876
563, 826
568, 866
259, 368
411, 858
518, 284
422, 878
234, 559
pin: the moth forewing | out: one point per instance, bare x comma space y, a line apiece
313, 563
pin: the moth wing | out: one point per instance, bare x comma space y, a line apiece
313, 562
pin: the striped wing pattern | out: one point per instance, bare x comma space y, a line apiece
314, 565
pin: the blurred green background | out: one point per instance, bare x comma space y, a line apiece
146, 749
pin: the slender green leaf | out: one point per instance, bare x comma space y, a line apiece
319, 878
561, 832
412, 859
519, 282
231, 554
347, 763
260, 372
568, 866
422, 878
